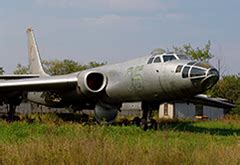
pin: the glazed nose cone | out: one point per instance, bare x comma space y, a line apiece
210, 79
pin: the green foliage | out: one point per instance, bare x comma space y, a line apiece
71, 143
18, 131
58, 67
201, 54
228, 87
1, 71
21, 69
94, 64
236, 110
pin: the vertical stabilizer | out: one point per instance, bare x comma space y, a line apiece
34, 56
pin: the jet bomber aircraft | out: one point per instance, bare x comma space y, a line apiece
152, 79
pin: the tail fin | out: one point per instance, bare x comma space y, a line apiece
34, 56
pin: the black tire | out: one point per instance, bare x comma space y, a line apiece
136, 121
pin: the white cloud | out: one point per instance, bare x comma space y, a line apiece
175, 16
116, 13
73, 3
110, 5
108, 22
114, 22
138, 5
131, 20
110, 19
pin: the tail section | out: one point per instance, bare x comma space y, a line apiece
34, 56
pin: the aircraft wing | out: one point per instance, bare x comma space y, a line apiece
39, 84
205, 100
18, 76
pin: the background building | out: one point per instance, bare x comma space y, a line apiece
183, 110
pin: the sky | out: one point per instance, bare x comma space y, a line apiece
117, 30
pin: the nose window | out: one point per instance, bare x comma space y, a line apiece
213, 72
191, 63
203, 65
185, 71
195, 72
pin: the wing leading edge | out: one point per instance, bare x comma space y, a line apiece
18, 76
39, 84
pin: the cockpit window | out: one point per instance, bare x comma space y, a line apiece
168, 58
195, 72
185, 71
191, 63
179, 68
150, 60
183, 57
157, 60
164, 57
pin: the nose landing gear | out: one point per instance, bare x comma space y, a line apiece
146, 122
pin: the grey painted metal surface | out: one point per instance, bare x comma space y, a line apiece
154, 78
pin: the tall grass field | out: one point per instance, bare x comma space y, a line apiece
178, 142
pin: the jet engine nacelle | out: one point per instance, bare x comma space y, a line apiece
91, 82
105, 112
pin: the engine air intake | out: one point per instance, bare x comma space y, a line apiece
95, 81
91, 82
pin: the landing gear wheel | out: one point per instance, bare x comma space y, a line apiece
147, 121
153, 124
144, 124
136, 121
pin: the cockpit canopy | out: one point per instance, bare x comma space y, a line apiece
202, 75
164, 57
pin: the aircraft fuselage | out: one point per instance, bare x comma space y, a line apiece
134, 80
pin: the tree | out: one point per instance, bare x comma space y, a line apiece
94, 64
228, 87
1, 71
203, 54
21, 69
57, 67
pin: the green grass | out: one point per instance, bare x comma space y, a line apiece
175, 142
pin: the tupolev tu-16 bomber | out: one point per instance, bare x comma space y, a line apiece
151, 80
119, 82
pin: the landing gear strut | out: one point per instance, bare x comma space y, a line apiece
13, 101
147, 121
11, 112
